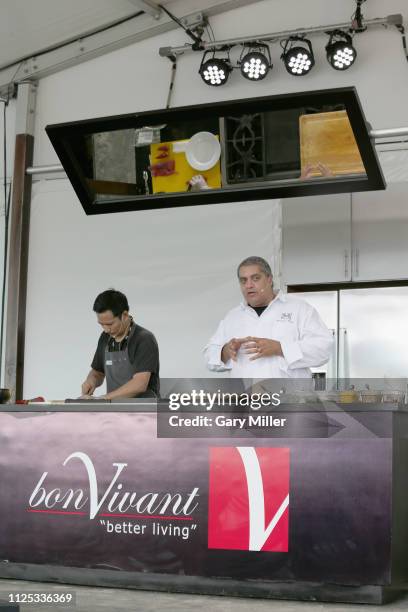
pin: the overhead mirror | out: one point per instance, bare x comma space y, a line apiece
274, 147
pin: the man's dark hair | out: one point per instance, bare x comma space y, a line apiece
254, 260
112, 300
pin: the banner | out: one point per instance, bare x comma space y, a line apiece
100, 490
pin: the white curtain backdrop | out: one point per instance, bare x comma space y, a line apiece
177, 268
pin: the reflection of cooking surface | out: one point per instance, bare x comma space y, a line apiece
183, 172
327, 138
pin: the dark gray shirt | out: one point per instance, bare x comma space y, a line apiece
143, 354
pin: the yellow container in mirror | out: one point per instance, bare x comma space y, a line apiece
183, 172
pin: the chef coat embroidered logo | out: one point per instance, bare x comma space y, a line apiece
249, 499
286, 316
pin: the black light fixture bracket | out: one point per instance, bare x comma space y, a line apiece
357, 21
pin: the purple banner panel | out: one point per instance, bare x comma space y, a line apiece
100, 490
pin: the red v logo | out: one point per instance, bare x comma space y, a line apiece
249, 498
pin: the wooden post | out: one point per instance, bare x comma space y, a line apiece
18, 263
18, 242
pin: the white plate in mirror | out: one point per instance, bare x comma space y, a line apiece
203, 150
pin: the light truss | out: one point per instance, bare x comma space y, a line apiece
390, 20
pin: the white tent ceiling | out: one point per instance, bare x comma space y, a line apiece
27, 28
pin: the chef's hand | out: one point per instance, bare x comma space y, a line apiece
261, 347
87, 388
309, 170
230, 350
197, 183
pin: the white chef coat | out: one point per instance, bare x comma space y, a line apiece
305, 340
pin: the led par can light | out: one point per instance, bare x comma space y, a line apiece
215, 71
340, 52
256, 63
298, 56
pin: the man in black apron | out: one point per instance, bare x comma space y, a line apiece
127, 354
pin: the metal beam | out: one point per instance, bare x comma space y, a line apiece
389, 133
273, 37
53, 169
377, 135
148, 7
25, 111
105, 41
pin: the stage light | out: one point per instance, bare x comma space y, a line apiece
339, 50
214, 71
256, 63
298, 56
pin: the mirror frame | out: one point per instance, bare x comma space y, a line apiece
346, 96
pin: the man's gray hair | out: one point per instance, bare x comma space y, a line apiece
254, 260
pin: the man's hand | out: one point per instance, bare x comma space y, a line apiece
311, 171
92, 381
87, 388
197, 183
230, 350
261, 347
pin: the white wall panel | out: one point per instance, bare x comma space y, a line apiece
394, 165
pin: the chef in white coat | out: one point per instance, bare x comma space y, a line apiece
270, 334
